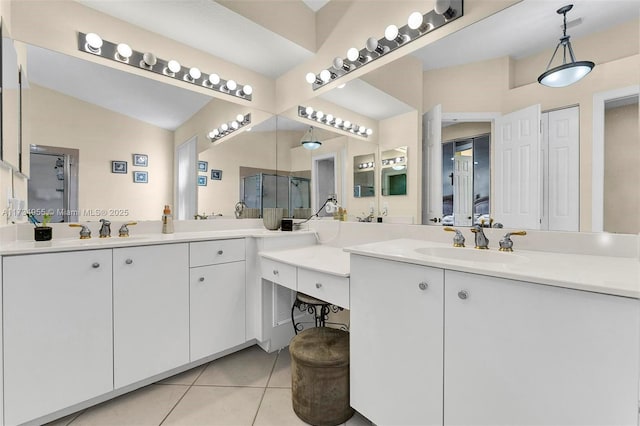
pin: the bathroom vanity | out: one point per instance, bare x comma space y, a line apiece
482, 337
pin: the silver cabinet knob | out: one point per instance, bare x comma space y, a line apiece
318, 285
95, 265
201, 279
220, 252
423, 286
275, 272
128, 261
463, 294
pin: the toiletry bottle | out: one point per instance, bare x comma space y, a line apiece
167, 220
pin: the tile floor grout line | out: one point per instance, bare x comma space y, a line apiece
266, 386
183, 395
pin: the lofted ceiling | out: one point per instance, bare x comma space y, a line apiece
526, 28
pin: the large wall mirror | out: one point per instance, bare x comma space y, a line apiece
128, 131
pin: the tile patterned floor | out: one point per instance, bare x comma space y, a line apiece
249, 387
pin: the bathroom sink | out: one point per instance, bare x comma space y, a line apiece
471, 255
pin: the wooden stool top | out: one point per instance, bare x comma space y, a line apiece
321, 347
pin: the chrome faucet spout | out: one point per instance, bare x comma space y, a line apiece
482, 242
105, 229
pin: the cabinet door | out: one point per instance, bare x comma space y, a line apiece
57, 331
217, 308
396, 342
518, 353
150, 311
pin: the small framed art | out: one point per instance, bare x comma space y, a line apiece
141, 177
140, 160
203, 166
216, 174
118, 167
202, 181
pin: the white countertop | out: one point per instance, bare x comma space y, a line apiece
601, 274
320, 258
73, 244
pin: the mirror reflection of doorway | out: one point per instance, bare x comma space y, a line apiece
53, 183
324, 180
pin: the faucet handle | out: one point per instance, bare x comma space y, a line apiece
85, 232
458, 239
124, 231
506, 243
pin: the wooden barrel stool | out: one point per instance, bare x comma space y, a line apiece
320, 376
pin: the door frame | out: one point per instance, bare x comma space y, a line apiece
597, 155
191, 144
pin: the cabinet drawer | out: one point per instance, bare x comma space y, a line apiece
214, 252
279, 273
330, 288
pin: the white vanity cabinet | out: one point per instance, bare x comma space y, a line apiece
396, 341
530, 354
150, 311
57, 331
217, 295
491, 351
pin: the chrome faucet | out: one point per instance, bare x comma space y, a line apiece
85, 232
458, 239
105, 229
365, 218
124, 230
482, 242
506, 244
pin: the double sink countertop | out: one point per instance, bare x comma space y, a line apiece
618, 276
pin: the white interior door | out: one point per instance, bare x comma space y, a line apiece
432, 161
562, 179
518, 177
463, 190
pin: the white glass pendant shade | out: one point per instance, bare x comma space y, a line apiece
309, 142
566, 74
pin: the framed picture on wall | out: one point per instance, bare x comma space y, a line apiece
203, 166
141, 177
140, 160
202, 181
118, 167
216, 174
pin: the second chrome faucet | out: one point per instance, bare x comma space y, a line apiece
481, 240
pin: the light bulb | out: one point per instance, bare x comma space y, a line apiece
216, 132
338, 63
338, 121
308, 111
247, 89
391, 32
310, 77
325, 76
214, 79
443, 7
124, 51
224, 127
362, 129
231, 85
319, 115
372, 45
329, 118
94, 42
369, 132
235, 125
239, 118
148, 60
347, 124
353, 54
194, 73
212, 135
415, 20
174, 66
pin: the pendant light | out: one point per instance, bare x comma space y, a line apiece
569, 72
309, 142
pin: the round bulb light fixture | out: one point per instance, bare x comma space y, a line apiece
93, 42
173, 66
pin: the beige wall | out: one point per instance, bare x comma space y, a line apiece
247, 149
102, 136
464, 130
622, 171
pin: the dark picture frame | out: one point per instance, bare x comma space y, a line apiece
202, 181
203, 166
141, 177
140, 160
119, 167
216, 174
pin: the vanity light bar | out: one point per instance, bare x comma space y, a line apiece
363, 166
225, 129
418, 25
320, 117
123, 53
392, 161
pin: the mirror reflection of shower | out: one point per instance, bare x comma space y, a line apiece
53, 183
